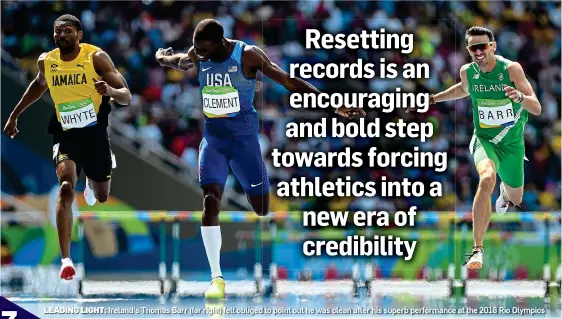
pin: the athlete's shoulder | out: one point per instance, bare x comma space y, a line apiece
465, 68
53, 54
514, 68
41, 61
93, 53
250, 47
43, 56
503, 59
508, 64
253, 53
89, 48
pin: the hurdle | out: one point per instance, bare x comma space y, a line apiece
163, 218
363, 278
457, 279
459, 286
167, 284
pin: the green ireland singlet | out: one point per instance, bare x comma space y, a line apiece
499, 122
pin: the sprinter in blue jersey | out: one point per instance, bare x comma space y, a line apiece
227, 71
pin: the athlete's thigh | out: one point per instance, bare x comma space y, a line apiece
248, 165
213, 163
66, 148
512, 159
97, 162
483, 150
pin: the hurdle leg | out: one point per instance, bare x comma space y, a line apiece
368, 265
546, 253
273, 276
451, 268
464, 269
559, 268
175, 257
162, 264
80, 266
258, 268
368, 277
355, 277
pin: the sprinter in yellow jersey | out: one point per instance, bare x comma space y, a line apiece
81, 79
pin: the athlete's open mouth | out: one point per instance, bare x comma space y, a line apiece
480, 57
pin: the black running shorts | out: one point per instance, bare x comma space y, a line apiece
89, 148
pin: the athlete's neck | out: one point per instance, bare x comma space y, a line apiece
224, 52
70, 56
489, 66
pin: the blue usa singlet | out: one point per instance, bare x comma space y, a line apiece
228, 96
230, 135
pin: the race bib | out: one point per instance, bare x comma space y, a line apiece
220, 101
495, 113
77, 114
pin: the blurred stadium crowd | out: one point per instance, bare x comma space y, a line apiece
166, 111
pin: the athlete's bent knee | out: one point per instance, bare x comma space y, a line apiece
66, 191
487, 181
210, 203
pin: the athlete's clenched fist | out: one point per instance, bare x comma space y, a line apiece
102, 87
513, 94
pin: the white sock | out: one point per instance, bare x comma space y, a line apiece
66, 261
212, 239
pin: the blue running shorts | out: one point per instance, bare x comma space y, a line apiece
242, 154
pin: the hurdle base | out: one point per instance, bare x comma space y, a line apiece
174, 287
80, 288
355, 289
368, 287
457, 288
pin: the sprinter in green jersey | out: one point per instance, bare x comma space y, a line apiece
501, 98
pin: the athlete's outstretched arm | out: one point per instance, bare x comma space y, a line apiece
34, 91
258, 60
113, 84
180, 61
455, 92
524, 93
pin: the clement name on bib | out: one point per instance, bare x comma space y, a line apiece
220, 98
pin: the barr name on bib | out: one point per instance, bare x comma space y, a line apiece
495, 113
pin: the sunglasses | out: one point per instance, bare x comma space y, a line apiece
479, 46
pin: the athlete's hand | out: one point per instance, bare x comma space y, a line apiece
102, 87
350, 113
11, 128
161, 53
512, 93
431, 102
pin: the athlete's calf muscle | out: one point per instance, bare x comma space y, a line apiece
101, 190
515, 195
212, 194
66, 172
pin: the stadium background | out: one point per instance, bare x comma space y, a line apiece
162, 127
